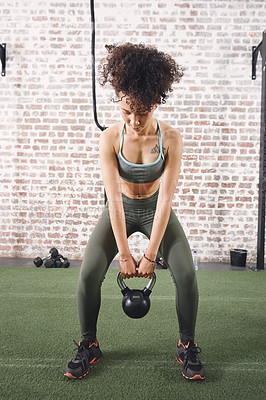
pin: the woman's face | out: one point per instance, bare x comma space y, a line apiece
135, 119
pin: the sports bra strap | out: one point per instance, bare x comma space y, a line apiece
160, 139
122, 138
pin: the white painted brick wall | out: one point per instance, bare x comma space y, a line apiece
51, 187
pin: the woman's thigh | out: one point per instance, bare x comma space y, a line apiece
99, 252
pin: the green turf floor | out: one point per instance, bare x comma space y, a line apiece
39, 319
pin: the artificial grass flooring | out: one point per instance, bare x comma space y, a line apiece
39, 320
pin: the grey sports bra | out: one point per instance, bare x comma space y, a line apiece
140, 173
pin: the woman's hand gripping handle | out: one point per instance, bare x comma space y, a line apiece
128, 267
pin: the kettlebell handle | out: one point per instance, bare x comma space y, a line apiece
124, 288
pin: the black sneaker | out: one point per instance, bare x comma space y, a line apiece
87, 354
187, 355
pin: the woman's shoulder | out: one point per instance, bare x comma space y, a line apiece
111, 135
169, 133
113, 130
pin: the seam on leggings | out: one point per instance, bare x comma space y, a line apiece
176, 287
180, 318
160, 250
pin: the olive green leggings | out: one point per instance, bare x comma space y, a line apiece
102, 248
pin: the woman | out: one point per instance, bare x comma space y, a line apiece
140, 162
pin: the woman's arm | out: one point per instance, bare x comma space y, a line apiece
166, 192
112, 186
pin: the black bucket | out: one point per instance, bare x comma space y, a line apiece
238, 257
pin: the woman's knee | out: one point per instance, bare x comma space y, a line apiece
183, 275
188, 277
92, 272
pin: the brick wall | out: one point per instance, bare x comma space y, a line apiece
51, 187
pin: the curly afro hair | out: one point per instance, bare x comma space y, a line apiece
142, 73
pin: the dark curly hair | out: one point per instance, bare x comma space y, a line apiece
141, 72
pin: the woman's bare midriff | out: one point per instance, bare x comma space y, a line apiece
139, 190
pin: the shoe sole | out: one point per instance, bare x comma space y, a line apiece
69, 375
194, 378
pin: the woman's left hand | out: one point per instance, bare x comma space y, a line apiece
145, 268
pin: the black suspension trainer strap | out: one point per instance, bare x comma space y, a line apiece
102, 128
93, 67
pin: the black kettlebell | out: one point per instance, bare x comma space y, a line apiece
136, 302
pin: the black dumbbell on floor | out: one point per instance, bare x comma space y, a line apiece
53, 253
50, 263
61, 262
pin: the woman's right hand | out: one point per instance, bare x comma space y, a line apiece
128, 267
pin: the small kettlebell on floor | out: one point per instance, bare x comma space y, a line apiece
136, 302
